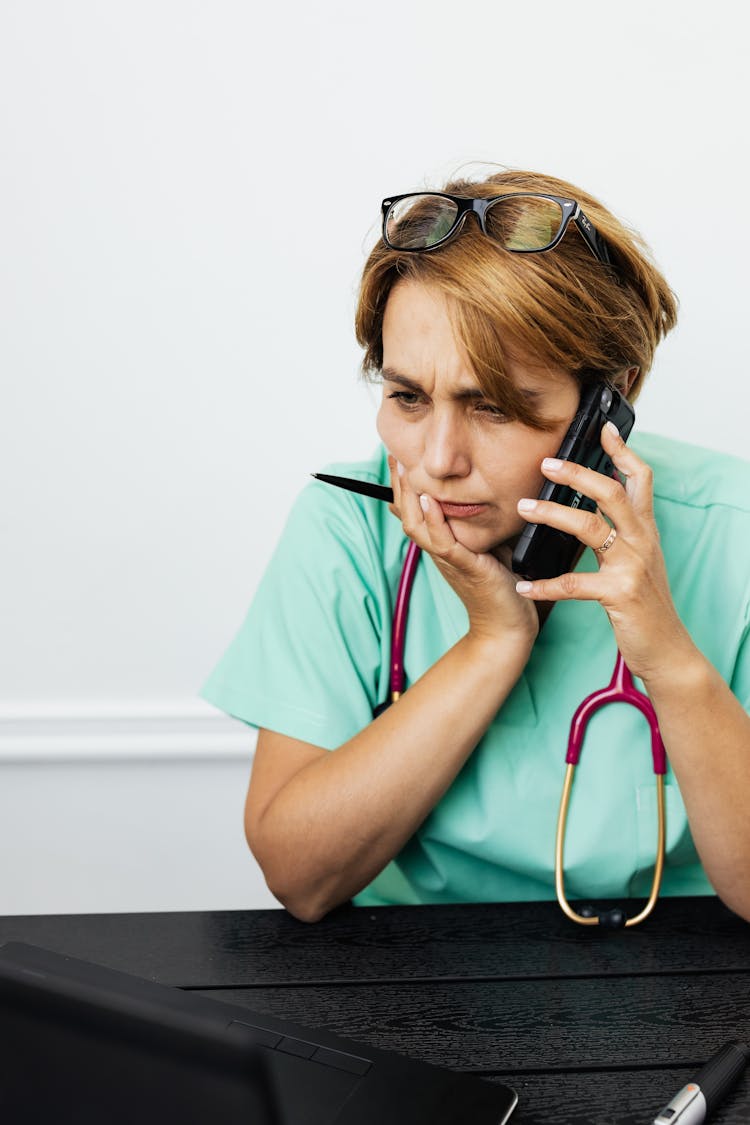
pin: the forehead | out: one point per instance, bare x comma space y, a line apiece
418, 333
420, 345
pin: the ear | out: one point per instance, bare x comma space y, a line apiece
630, 377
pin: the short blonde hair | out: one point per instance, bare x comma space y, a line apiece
562, 307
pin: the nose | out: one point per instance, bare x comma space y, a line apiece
446, 447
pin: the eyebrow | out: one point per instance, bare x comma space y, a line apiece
463, 394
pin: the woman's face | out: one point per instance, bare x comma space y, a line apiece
452, 442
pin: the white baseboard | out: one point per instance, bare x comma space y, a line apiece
120, 730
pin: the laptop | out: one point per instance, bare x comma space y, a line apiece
85, 1044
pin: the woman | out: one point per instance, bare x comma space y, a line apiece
484, 336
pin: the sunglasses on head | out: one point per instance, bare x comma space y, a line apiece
521, 222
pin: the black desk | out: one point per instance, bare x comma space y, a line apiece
588, 1026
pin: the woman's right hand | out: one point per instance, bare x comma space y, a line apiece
317, 849
484, 583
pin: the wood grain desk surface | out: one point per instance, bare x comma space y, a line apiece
587, 1025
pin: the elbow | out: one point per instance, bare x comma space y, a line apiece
302, 901
738, 904
303, 911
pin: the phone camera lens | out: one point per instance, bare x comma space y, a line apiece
606, 400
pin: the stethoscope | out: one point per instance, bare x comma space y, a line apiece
620, 689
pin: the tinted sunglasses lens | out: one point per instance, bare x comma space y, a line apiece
524, 222
419, 221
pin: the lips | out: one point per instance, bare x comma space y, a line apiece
461, 511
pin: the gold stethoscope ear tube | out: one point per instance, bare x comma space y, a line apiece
559, 861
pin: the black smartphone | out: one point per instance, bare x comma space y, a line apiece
545, 552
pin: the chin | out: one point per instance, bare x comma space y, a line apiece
482, 540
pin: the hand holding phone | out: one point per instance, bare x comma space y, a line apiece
545, 552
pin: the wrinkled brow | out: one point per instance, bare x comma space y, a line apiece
390, 375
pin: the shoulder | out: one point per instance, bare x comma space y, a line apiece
331, 531
311, 658
329, 508
693, 476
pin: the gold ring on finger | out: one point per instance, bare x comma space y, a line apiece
607, 542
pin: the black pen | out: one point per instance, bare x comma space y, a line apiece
710, 1086
377, 491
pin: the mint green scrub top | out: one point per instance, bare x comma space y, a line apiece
311, 661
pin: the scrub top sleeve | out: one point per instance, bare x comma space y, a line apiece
310, 659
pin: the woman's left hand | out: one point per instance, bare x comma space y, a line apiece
631, 583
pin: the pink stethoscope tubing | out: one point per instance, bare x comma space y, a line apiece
620, 689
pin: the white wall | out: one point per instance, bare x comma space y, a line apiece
187, 194
137, 808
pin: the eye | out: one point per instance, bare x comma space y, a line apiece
492, 410
407, 400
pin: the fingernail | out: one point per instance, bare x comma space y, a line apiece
400, 468
424, 502
551, 463
612, 428
526, 505
523, 587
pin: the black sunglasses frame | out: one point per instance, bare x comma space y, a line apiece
571, 210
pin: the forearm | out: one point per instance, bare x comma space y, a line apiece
343, 817
706, 732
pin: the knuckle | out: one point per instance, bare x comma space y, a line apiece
592, 524
568, 583
630, 586
613, 491
448, 553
